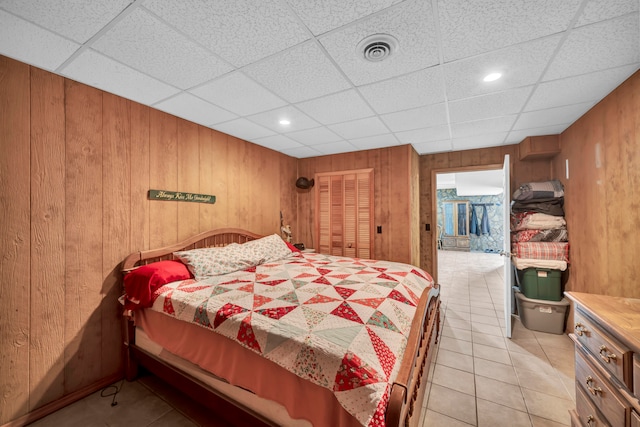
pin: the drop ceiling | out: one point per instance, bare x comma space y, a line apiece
242, 66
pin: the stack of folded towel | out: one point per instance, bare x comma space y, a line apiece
539, 236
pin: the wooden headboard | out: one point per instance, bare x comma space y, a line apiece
207, 239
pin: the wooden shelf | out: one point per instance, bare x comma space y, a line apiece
539, 147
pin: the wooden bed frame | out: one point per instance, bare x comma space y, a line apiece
407, 393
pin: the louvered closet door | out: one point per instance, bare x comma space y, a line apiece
345, 213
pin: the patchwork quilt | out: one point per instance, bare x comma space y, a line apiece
341, 323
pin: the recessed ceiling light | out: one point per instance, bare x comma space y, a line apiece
492, 77
285, 122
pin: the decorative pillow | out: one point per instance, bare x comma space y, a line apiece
141, 283
207, 262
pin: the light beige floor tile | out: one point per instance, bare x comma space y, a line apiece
483, 311
454, 379
487, 320
455, 360
491, 353
458, 307
547, 406
554, 340
173, 419
499, 392
543, 422
487, 329
525, 345
488, 305
456, 315
491, 414
459, 346
435, 419
539, 381
457, 323
489, 340
495, 370
532, 363
453, 403
459, 334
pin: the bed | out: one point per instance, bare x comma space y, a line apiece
260, 344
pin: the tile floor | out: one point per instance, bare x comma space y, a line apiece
479, 378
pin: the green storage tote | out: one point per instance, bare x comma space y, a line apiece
540, 283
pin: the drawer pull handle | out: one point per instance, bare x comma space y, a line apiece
592, 390
604, 355
580, 329
590, 420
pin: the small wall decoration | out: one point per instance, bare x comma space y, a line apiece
178, 196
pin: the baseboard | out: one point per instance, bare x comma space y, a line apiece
65, 400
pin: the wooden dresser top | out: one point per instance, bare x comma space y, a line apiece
618, 316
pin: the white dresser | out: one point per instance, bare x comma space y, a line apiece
606, 332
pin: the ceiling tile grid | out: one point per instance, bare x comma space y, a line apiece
241, 66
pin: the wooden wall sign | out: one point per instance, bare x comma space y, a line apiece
178, 196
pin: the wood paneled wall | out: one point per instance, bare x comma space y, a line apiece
75, 167
392, 194
602, 200
521, 171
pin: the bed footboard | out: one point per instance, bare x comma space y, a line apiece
407, 392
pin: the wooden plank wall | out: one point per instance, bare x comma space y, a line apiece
75, 167
521, 171
602, 200
392, 209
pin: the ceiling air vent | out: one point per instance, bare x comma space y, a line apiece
377, 47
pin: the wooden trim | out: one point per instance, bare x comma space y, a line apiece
68, 399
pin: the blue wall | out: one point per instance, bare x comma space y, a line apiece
483, 243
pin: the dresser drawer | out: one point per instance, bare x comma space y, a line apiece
615, 357
599, 391
635, 419
587, 412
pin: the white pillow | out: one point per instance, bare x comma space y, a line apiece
207, 262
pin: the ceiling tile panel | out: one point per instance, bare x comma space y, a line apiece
96, 70
413, 90
321, 16
243, 129
479, 141
480, 127
597, 47
552, 116
241, 32
418, 136
299, 74
302, 152
472, 27
491, 105
151, 46
371, 142
238, 93
271, 119
421, 117
336, 108
598, 10
573, 90
433, 147
520, 65
319, 135
277, 142
516, 136
411, 23
29, 43
335, 148
78, 20
194, 109
360, 128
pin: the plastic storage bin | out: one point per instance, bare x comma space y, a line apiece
542, 315
540, 283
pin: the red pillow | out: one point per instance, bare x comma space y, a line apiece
141, 283
293, 248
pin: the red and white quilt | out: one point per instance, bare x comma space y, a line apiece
341, 323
